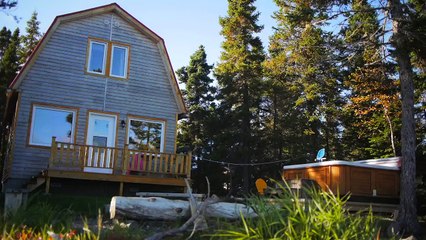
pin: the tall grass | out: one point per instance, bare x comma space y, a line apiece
39, 219
287, 216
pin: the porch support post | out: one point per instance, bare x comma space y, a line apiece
47, 185
120, 192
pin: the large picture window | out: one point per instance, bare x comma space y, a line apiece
146, 135
48, 122
107, 58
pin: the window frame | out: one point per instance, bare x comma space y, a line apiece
30, 131
150, 120
89, 57
108, 58
126, 60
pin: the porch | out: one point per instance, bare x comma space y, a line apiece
123, 165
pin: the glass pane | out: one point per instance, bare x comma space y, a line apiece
99, 141
118, 61
101, 127
97, 57
48, 123
145, 135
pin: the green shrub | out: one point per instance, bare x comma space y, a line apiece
323, 216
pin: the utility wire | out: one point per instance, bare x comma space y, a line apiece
241, 164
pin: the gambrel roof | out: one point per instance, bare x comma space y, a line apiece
115, 8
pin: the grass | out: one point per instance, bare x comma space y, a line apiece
322, 217
51, 217
287, 217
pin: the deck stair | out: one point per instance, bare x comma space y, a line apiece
35, 182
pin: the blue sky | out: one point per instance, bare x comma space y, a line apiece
184, 24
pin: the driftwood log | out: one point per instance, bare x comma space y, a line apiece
153, 208
156, 208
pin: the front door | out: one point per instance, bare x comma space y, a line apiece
101, 132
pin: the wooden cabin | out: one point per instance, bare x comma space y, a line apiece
96, 100
367, 178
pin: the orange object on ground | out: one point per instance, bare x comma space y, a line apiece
261, 186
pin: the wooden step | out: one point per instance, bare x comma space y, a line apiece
35, 183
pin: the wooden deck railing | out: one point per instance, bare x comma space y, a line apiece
112, 160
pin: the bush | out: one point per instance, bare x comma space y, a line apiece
287, 216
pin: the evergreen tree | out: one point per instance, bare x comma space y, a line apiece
401, 23
373, 101
8, 4
305, 98
31, 39
239, 74
196, 132
5, 35
9, 66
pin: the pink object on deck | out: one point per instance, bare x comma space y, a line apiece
136, 164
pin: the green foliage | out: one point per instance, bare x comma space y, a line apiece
5, 35
31, 39
198, 131
303, 83
372, 110
239, 74
8, 4
9, 64
36, 214
323, 216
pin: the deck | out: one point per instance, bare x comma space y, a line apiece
123, 165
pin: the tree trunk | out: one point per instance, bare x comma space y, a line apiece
407, 217
391, 132
246, 133
153, 208
157, 208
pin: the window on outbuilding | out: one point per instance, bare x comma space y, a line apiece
48, 122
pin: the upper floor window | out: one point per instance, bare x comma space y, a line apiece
108, 58
119, 61
97, 57
48, 121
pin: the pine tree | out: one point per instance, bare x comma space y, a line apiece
239, 74
372, 93
9, 65
8, 4
196, 132
401, 23
31, 39
305, 98
5, 35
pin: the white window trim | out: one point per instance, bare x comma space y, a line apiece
104, 59
150, 121
126, 60
35, 107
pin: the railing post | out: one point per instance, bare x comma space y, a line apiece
189, 165
83, 150
125, 159
53, 149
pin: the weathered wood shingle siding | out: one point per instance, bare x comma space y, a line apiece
57, 77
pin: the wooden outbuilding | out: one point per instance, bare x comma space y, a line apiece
366, 178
